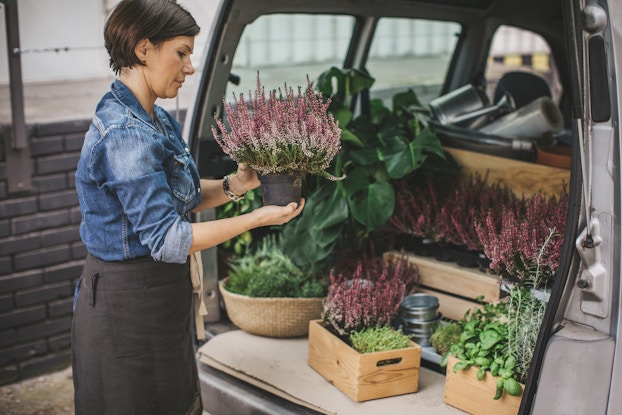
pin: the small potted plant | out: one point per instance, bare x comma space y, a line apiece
266, 294
282, 135
354, 345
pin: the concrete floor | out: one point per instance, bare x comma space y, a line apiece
51, 394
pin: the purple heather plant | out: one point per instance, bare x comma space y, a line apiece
471, 202
517, 246
373, 267
282, 133
354, 302
416, 210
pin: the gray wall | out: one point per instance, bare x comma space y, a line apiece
41, 254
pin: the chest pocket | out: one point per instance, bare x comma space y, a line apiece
182, 182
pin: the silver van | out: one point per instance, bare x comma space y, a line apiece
569, 51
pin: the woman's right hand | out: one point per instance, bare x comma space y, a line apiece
278, 215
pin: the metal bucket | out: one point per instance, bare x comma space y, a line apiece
463, 100
420, 331
416, 326
419, 307
535, 119
418, 317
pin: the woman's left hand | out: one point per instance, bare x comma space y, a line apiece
247, 177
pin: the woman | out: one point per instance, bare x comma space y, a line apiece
137, 183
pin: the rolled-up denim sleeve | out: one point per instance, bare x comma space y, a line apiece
176, 244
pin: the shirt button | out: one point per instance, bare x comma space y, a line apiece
187, 150
199, 191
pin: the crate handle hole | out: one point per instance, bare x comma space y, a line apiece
387, 362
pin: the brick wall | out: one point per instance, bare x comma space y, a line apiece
41, 255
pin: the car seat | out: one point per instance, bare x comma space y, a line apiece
524, 87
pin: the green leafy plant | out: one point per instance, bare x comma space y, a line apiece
237, 245
446, 335
379, 339
525, 312
378, 147
501, 338
267, 272
483, 344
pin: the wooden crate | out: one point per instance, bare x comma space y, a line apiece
363, 376
465, 392
451, 307
456, 287
522, 177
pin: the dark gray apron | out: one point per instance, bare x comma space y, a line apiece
132, 346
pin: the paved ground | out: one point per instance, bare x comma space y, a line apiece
51, 394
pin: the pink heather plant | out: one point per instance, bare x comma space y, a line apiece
528, 238
471, 202
354, 303
416, 210
283, 133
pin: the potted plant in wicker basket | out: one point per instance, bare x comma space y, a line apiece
354, 346
282, 135
266, 294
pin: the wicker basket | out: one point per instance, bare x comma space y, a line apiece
271, 317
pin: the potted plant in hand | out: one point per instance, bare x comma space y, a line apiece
266, 294
283, 136
354, 345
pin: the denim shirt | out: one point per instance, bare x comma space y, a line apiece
136, 183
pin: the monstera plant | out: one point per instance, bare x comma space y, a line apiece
378, 146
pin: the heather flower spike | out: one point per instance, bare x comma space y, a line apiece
281, 133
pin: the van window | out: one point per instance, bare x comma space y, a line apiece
285, 48
411, 53
516, 50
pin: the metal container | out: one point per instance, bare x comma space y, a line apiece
418, 317
421, 326
419, 307
539, 117
420, 331
457, 102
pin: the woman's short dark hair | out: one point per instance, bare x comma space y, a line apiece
134, 20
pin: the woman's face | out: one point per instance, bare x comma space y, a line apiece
168, 65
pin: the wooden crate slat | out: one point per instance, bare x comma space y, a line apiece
452, 278
522, 177
449, 306
362, 376
465, 392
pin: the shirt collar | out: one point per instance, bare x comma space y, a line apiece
123, 94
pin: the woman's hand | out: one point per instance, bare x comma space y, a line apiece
278, 215
211, 233
245, 179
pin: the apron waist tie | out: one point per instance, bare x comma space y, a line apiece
200, 310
